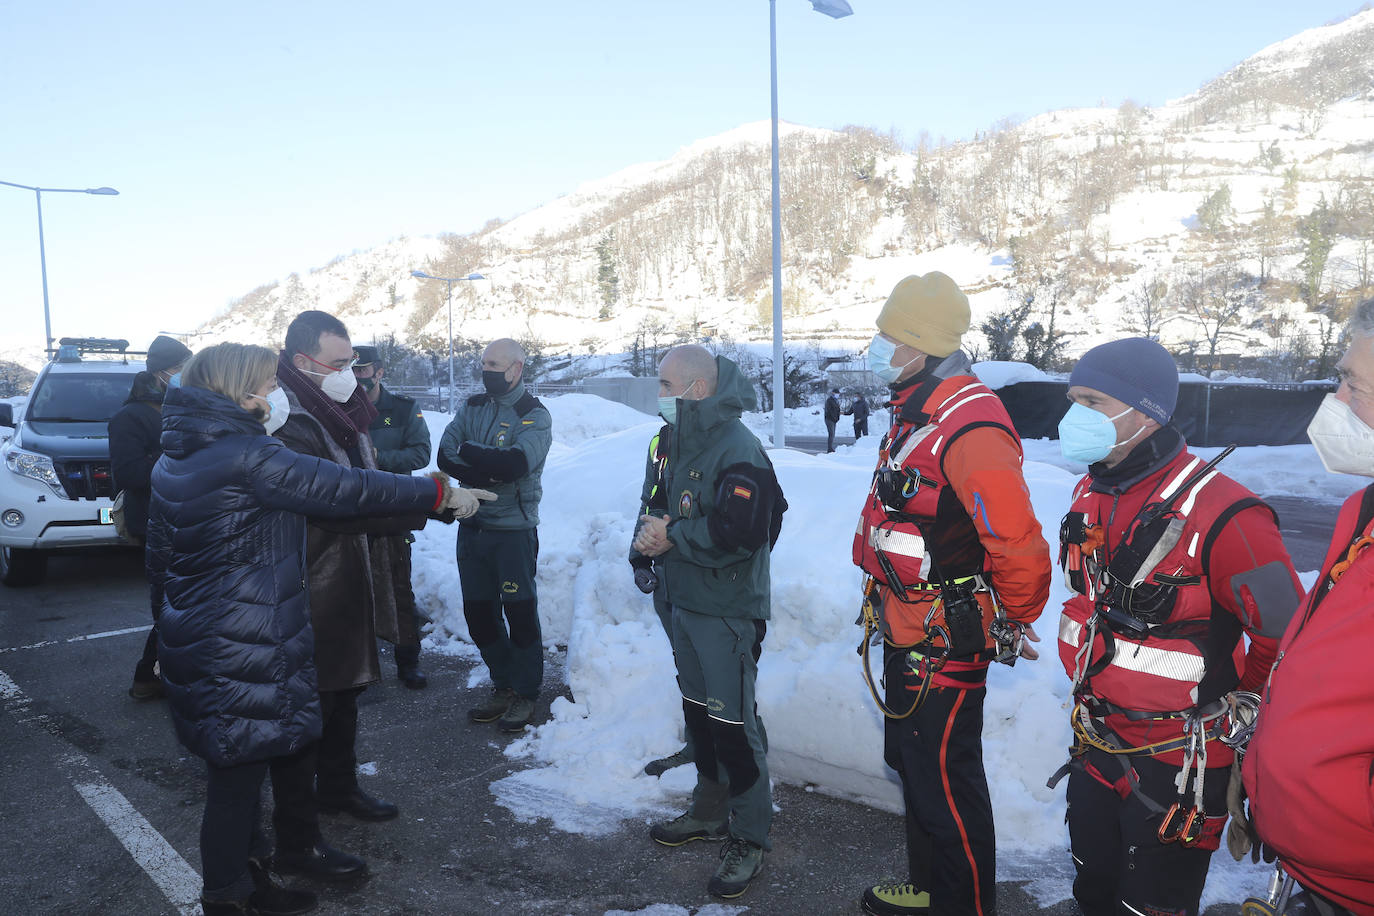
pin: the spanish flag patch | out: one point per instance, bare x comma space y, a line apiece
744, 493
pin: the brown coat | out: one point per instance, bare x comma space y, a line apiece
352, 595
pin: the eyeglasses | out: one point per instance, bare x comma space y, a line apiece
351, 363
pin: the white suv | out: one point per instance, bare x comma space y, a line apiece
55, 486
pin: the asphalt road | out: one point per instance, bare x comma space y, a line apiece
101, 806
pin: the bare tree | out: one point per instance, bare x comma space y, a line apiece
1146, 310
1217, 300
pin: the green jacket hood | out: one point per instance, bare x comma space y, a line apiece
734, 395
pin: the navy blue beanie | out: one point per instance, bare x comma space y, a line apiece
1136, 371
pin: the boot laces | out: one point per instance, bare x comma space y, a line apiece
896, 890
734, 852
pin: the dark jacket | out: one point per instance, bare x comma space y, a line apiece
720, 491
399, 434
832, 410
352, 595
134, 448
858, 409
226, 541
499, 444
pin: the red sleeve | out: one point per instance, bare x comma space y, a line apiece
1251, 576
984, 467
439, 499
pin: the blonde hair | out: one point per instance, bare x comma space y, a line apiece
231, 369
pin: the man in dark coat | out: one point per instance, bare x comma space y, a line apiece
858, 408
832, 416
402, 441
135, 430
352, 600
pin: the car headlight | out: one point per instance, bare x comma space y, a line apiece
39, 467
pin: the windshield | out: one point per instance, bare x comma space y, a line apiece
78, 397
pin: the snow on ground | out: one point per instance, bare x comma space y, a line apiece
584, 765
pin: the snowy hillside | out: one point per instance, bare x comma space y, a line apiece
1238, 220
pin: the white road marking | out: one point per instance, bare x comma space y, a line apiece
177, 880
57, 642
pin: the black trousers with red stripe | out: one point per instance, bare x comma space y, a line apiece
938, 753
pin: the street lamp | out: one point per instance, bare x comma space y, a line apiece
835, 9
42, 256
448, 282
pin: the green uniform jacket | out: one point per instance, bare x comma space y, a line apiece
720, 489
399, 434
500, 444
652, 500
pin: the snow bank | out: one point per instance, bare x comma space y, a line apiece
585, 764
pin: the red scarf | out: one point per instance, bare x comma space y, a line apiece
343, 421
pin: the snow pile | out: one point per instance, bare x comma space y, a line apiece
1001, 373
585, 773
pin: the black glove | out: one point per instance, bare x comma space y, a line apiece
645, 580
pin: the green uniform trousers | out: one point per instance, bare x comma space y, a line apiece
717, 665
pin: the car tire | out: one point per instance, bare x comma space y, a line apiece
20, 567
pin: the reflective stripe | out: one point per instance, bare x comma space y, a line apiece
1070, 630
1166, 663
1192, 545
959, 393
1178, 479
890, 540
1176, 666
1192, 495
899, 460
975, 397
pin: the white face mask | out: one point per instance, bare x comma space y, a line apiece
1343, 441
278, 409
339, 386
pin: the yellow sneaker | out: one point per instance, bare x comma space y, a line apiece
895, 900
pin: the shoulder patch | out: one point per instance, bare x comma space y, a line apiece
527, 403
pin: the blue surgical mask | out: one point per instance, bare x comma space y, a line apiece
667, 407
880, 353
174, 381
1089, 435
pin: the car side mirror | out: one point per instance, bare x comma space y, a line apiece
7, 415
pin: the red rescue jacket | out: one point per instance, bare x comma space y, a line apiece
1309, 770
1219, 535
962, 499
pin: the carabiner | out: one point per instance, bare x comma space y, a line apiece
1191, 831
1169, 830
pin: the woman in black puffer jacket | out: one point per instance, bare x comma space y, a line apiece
226, 542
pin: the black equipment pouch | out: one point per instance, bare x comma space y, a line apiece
963, 620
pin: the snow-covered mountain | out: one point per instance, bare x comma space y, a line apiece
1239, 219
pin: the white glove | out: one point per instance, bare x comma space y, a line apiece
464, 502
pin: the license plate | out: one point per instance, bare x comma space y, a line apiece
105, 517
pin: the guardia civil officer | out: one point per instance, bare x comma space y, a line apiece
1170, 562
1308, 767
401, 438
723, 505
498, 440
948, 519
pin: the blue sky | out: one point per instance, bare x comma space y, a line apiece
253, 139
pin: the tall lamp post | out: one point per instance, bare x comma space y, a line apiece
42, 256
835, 9
448, 282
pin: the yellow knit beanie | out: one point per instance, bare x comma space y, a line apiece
928, 313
